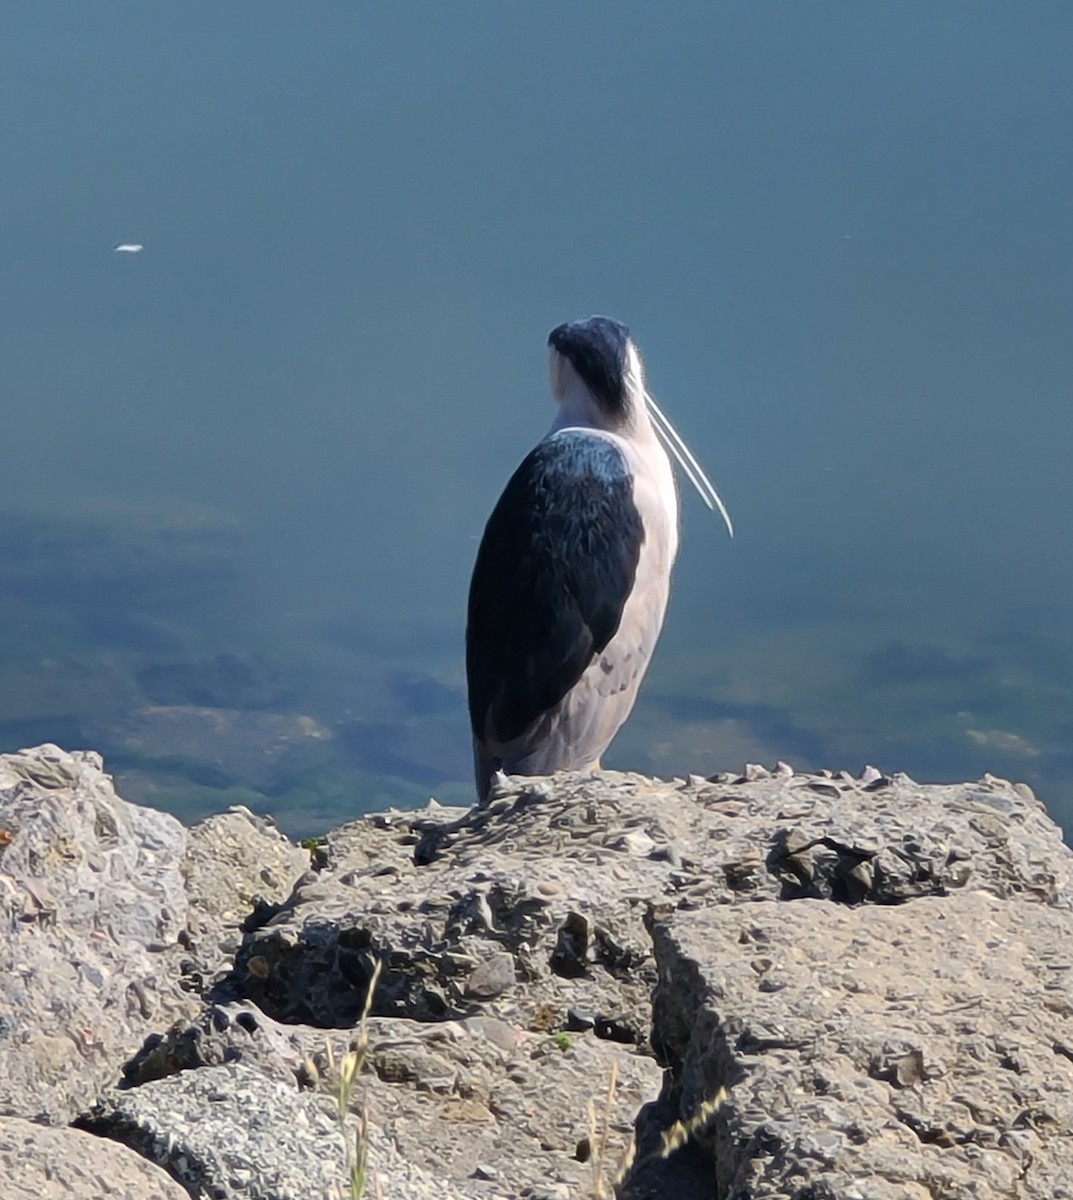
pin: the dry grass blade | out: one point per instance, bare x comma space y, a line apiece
342, 1079
599, 1132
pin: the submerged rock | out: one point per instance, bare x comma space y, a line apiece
762, 985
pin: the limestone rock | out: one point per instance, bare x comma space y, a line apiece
228, 1132
114, 916
918, 1050
91, 899
238, 867
552, 874
783, 985
449, 1096
39, 1162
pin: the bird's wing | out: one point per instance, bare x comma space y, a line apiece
553, 573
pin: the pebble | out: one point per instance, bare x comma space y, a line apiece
492, 978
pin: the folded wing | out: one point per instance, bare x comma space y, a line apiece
553, 574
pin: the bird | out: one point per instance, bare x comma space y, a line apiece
129, 248
572, 576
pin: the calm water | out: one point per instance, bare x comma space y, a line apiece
244, 472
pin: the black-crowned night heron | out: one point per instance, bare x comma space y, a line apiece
574, 570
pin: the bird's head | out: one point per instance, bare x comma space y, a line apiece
597, 379
596, 373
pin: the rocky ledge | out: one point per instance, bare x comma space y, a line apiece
765, 985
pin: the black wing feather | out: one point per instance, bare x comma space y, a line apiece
554, 570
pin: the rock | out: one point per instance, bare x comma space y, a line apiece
238, 867
547, 872
447, 1095
230, 1133
754, 772
791, 985
91, 901
894, 1055
524, 1109
557, 895
116, 916
38, 1162
493, 977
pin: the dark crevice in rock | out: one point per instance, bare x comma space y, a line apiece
665, 1164
822, 868
260, 914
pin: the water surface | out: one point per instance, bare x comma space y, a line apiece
245, 471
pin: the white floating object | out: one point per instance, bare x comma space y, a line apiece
129, 248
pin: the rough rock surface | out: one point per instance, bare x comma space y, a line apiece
237, 868
451, 1098
41, 1162
560, 876
227, 1128
105, 906
774, 985
902, 1056
91, 900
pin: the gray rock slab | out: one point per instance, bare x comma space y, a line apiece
237, 865
91, 899
41, 1162
920, 1050
860, 987
452, 1102
562, 874
229, 1133
559, 875
113, 920
451, 1096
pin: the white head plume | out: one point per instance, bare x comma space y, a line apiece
684, 456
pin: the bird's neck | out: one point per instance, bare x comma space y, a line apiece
578, 410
